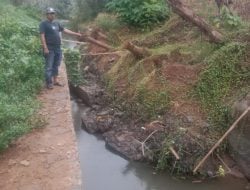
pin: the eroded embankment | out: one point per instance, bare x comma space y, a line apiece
147, 110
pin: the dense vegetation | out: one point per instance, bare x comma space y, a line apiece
72, 59
21, 73
140, 13
223, 73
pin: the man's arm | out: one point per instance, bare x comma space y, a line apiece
67, 31
45, 48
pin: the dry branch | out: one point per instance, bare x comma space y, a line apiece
186, 13
143, 143
174, 153
138, 52
77, 42
106, 53
86, 38
234, 125
97, 33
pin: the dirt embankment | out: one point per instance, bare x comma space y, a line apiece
144, 106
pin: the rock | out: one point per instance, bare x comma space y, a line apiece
96, 123
25, 163
106, 112
247, 186
118, 114
12, 162
89, 94
155, 125
81, 93
124, 143
89, 125
86, 68
239, 139
190, 119
42, 151
210, 173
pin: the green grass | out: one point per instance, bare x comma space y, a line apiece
72, 61
223, 73
21, 72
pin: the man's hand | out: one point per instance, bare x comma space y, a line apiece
79, 34
67, 31
46, 51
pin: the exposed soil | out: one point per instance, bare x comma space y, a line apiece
184, 123
46, 158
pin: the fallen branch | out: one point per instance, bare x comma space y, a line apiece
186, 13
77, 42
143, 143
142, 147
107, 53
138, 52
92, 40
220, 140
97, 33
174, 153
86, 38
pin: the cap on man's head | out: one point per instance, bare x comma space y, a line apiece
50, 10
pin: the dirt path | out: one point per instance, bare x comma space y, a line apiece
47, 158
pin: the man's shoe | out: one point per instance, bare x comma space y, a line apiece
50, 86
58, 84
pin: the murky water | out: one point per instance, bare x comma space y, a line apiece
104, 170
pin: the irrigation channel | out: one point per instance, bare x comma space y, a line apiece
103, 169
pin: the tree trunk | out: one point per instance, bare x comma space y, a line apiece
138, 52
97, 33
85, 38
186, 13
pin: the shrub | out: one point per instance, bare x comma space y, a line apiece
228, 20
107, 22
72, 61
86, 10
222, 74
21, 73
140, 13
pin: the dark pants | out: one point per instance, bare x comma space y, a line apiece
52, 62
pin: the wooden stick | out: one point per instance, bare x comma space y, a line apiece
174, 153
221, 139
143, 143
74, 41
107, 53
142, 147
101, 44
150, 135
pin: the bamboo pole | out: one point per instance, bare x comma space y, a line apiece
107, 53
73, 41
174, 153
221, 139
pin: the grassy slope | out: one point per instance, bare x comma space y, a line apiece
21, 71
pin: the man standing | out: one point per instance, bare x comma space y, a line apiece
51, 43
